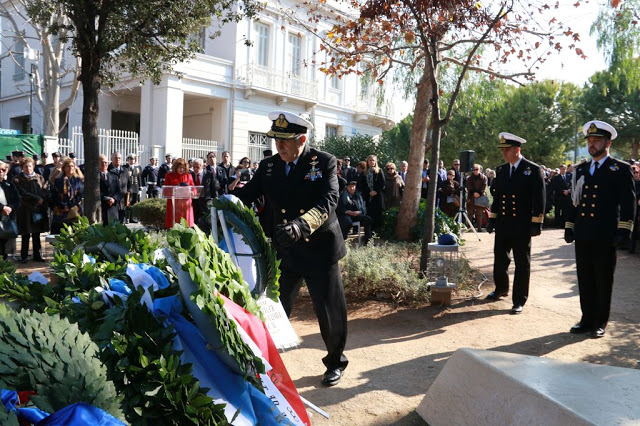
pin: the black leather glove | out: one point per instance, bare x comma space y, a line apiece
288, 233
623, 236
490, 225
568, 235
535, 229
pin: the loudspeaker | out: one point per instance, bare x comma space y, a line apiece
467, 160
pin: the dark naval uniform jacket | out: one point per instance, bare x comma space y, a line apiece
310, 191
607, 201
518, 199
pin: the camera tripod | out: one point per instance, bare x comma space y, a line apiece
462, 217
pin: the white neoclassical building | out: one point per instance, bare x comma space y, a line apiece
222, 97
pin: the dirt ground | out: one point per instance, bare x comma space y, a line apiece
395, 354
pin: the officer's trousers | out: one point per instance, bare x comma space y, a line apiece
329, 304
521, 247
595, 264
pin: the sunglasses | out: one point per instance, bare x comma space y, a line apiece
390, 168
476, 170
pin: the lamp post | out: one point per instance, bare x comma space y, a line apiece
575, 136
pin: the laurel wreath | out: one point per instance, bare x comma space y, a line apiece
245, 222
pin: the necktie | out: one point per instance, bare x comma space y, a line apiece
197, 180
292, 166
595, 169
513, 169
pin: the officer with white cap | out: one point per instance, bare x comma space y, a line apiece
164, 168
516, 215
599, 219
300, 185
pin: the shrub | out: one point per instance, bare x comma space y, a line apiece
443, 224
151, 212
383, 271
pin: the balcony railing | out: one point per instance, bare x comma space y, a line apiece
279, 82
370, 106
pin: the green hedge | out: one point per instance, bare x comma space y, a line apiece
151, 212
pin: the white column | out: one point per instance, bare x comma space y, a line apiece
161, 115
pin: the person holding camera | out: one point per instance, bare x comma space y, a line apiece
599, 220
242, 175
477, 200
516, 215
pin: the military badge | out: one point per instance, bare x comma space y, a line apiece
614, 168
314, 174
527, 171
281, 122
269, 164
592, 129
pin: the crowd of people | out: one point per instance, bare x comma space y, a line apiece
36, 198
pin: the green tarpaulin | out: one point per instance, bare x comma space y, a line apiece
29, 144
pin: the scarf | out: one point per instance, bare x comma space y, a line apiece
370, 175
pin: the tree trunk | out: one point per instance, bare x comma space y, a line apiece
90, 90
408, 214
429, 214
635, 147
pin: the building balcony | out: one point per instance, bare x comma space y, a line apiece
280, 85
372, 112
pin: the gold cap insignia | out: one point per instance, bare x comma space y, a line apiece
592, 128
281, 122
503, 140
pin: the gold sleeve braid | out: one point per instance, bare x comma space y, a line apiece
493, 215
537, 219
568, 225
315, 218
628, 224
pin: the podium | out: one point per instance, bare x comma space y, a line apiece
181, 196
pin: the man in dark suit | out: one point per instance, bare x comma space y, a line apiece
599, 219
135, 182
108, 192
123, 194
516, 215
203, 177
301, 186
226, 172
49, 167
15, 169
560, 185
38, 168
348, 173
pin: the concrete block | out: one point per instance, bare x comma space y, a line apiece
478, 387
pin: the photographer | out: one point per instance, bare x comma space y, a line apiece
242, 175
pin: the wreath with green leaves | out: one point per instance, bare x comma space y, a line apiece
48, 355
247, 225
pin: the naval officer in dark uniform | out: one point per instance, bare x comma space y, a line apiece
599, 219
516, 215
300, 184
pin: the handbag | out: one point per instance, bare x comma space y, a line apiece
456, 201
8, 228
37, 217
482, 201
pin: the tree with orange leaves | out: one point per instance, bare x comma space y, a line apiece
421, 38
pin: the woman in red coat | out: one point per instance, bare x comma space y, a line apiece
178, 176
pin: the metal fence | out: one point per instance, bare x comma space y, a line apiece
198, 148
127, 143
109, 141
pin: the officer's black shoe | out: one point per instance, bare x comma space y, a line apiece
597, 333
517, 309
495, 296
332, 376
579, 329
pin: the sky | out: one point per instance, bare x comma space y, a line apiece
567, 65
